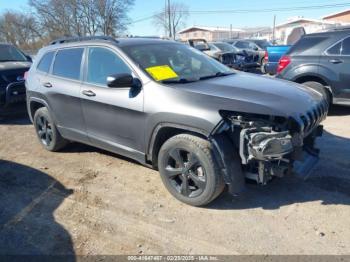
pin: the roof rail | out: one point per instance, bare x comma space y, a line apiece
84, 38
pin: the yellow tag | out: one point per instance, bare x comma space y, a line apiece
160, 73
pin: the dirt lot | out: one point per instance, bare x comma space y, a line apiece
87, 201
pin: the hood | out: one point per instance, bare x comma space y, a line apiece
244, 92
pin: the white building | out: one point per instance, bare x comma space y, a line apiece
284, 30
209, 33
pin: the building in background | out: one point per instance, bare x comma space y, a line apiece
209, 33
340, 17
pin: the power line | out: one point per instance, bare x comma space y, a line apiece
247, 11
283, 9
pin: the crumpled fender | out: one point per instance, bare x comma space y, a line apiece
229, 162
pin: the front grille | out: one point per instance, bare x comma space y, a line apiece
313, 117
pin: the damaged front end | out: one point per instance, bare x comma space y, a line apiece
272, 146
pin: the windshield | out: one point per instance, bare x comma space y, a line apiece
263, 44
225, 47
176, 63
10, 53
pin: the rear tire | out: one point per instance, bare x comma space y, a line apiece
319, 88
189, 171
47, 132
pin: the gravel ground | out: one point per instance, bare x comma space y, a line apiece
86, 201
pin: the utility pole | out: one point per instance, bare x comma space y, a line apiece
230, 31
169, 17
274, 29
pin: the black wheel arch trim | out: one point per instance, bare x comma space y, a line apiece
314, 75
37, 100
160, 126
229, 162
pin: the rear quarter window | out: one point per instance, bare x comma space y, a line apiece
68, 62
45, 62
305, 44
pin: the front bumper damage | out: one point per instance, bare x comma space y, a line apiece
269, 154
267, 146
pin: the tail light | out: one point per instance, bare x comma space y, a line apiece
283, 63
266, 56
25, 76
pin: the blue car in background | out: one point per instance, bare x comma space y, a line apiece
272, 56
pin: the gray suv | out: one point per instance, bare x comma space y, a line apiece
173, 108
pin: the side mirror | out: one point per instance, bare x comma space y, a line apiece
120, 80
256, 49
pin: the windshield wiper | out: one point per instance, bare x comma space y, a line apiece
178, 81
218, 74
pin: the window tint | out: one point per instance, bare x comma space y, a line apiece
346, 47
335, 50
103, 63
306, 43
45, 62
67, 63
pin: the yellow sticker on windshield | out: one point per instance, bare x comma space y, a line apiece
160, 73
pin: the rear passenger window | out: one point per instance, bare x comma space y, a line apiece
335, 50
346, 47
306, 43
67, 63
103, 63
45, 62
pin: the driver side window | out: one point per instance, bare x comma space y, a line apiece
102, 63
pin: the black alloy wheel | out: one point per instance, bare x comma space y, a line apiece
189, 170
44, 129
185, 172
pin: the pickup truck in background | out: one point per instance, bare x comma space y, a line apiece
273, 55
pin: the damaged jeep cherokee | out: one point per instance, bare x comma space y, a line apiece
173, 108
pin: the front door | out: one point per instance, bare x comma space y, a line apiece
114, 116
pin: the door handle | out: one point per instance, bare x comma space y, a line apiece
88, 93
336, 61
47, 85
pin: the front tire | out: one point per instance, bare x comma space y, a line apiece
47, 132
189, 171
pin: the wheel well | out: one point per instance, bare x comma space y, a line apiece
317, 79
162, 136
34, 106
304, 79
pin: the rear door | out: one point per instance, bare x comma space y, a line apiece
337, 60
63, 92
113, 116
